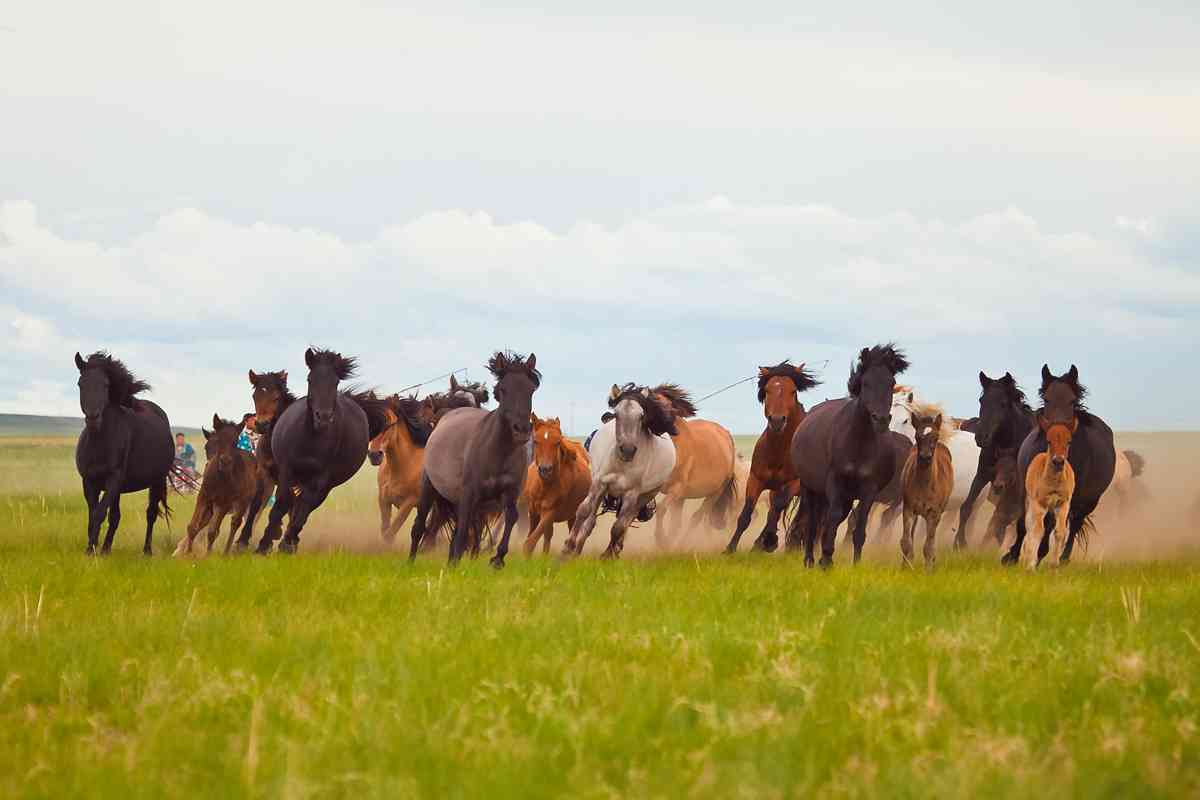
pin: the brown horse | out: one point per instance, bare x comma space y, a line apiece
1049, 487
1004, 495
556, 483
927, 478
705, 462
230, 479
771, 469
399, 451
271, 398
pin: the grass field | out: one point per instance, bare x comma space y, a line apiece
345, 672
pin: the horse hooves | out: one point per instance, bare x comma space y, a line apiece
825, 563
90, 550
729, 550
146, 551
1008, 559
288, 546
766, 545
497, 562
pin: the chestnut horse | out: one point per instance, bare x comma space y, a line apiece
771, 469
927, 479
705, 462
1093, 457
228, 487
557, 481
399, 452
271, 397
842, 451
1049, 486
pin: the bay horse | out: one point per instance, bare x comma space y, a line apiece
842, 453
476, 460
633, 456
228, 486
1005, 419
557, 482
271, 397
399, 452
125, 446
1049, 486
771, 469
1093, 456
705, 461
927, 480
318, 443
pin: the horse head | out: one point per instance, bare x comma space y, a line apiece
1058, 440
270, 395
549, 452
1000, 399
1062, 395
104, 381
927, 424
639, 412
325, 370
517, 378
220, 444
779, 390
872, 380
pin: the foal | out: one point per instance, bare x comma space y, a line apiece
556, 483
399, 452
1049, 487
229, 484
927, 479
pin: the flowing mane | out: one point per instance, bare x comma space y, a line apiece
932, 411
376, 408
503, 362
679, 399
658, 413
123, 385
881, 355
408, 411
276, 381
803, 379
344, 367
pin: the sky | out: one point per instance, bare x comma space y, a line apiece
635, 192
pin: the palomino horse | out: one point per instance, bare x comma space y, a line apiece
125, 446
842, 453
927, 479
271, 398
228, 487
705, 461
1093, 457
475, 461
632, 459
1049, 485
318, 444
557, 482
771, 469
399, 452
1005, 419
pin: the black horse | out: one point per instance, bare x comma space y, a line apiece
125, 446
1004, 420
476, 460
271, 398
1092, 455
842, 451
318, 443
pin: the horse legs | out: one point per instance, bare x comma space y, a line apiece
1077, 518
402, 511
838, 507
158, 493
385, 517
1035, 518
585, 521
214, 530
284, 497
630, 504
794, 539
239, 513
310, 499
906, 538
964, 511
114, 519
754, 488
1061, 535
816, 512
888, 519
510, 519
424, 505
112, 495
463, 528
860, 527
91, 493
932, 520
539, 525
200, 518
261, 492
768, 540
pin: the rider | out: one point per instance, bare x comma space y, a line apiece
185, 454
248, 439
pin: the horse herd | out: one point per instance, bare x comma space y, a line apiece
468, 471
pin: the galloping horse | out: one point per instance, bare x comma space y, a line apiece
1005, 495
557, 483
399, 452
475, 460
1093, 456
318, 444
632, 459
125, 446
927, 479
705, 458
1049, 485
1005, 419
771, 469
842, 453
228, 487
271, 398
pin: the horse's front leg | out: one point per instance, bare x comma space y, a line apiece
860, 524
112, 494
158, 496
91, 494
114, 519
1014, 552
311, 497
754, 488
768, 540
585, 520
511, 514
630, 504
463, 527
906, 538
981, 480
1035, 523
284, 498
838, 502
932, 520
662, 532
261, 493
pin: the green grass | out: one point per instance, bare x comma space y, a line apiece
340, 673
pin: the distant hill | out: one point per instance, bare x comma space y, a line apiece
33, 425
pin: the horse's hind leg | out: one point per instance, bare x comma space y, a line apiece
1014, 552
114, 519
424, 504
835, 513
768, 540
754, 488
284, 498
510, 519
1078, 517
158, 494
262, 490
816, 513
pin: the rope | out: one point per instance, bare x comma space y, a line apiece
431, 380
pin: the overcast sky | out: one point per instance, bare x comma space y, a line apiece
682, 195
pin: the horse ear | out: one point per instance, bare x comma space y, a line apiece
937, 422
645, 392
1008, 377
911, 396
1046, 376
308, 357
206, 433
615, 392
763, 371
531, 362
79, 362
984, 380
216, 422
253, 377
283, 376
453, 384
1073, 374
533, 419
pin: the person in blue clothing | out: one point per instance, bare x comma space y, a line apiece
185, 454
248, 438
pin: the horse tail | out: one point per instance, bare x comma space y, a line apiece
376, 408
718, 515
1085, 532
1136, 462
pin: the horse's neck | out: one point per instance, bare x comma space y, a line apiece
861, 429
1015, 428
400, 445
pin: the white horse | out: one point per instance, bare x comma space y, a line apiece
632, 458
963, 450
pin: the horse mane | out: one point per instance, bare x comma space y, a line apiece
408, 411
376, 408
658, 413
123, 385
503, 362
678, 397
933, 410
478, 390
803, 379
278, 382
1009, 384
344, 367
881, 355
